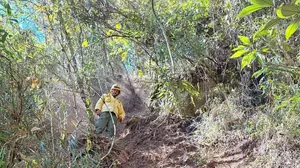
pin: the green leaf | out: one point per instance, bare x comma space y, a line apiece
190, 88
238, 53
271, 23
240, 47
279, 13
85, 43
297, 2
262, 30
258, 73
8, 9
245, 40
260, 59
289, 10
124, 55
140, 73
265, 3
291, 29
249, 9
118, 26
88, 101
14, 20
4, 35
247, 59
50, 18
264, 50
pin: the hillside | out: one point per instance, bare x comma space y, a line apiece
203, 83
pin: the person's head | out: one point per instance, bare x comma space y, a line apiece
115, 90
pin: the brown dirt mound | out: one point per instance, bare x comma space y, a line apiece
156, 142
151, 141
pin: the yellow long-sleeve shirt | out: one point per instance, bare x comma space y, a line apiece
108, 103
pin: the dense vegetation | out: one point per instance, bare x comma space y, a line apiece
240, 55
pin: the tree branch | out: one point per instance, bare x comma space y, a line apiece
165, 36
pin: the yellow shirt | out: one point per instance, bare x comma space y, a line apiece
108, 103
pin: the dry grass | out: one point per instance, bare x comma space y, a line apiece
227, 125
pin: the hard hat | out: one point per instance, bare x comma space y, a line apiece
115, 87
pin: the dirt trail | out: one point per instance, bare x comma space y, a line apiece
147, 140
155, 142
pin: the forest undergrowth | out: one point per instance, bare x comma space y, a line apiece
205, 83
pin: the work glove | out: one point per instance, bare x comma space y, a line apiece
97, 111
120, 120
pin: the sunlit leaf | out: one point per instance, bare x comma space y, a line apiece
124, 55
190, 88
118, 26
247, 59
140, 73
265, 3
109, 32
88, 101
249, 9
240, 47
245, 40
88, 144
279, 13
50, 18
291, 29
264, 50
238, 53
85, 43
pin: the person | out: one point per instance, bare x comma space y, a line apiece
109, 109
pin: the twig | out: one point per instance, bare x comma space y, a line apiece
165, 36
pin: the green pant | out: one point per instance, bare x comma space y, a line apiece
105, 121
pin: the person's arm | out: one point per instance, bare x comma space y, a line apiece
99, 105
121, 113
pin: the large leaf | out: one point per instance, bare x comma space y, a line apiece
239, 53
279, 13
247, 59
271, 23
297, 2
240, 47
245, 40
291, 29
8, 8
265, 3
262, 30
249, 9
289, 10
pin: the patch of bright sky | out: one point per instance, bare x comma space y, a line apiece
26, 19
